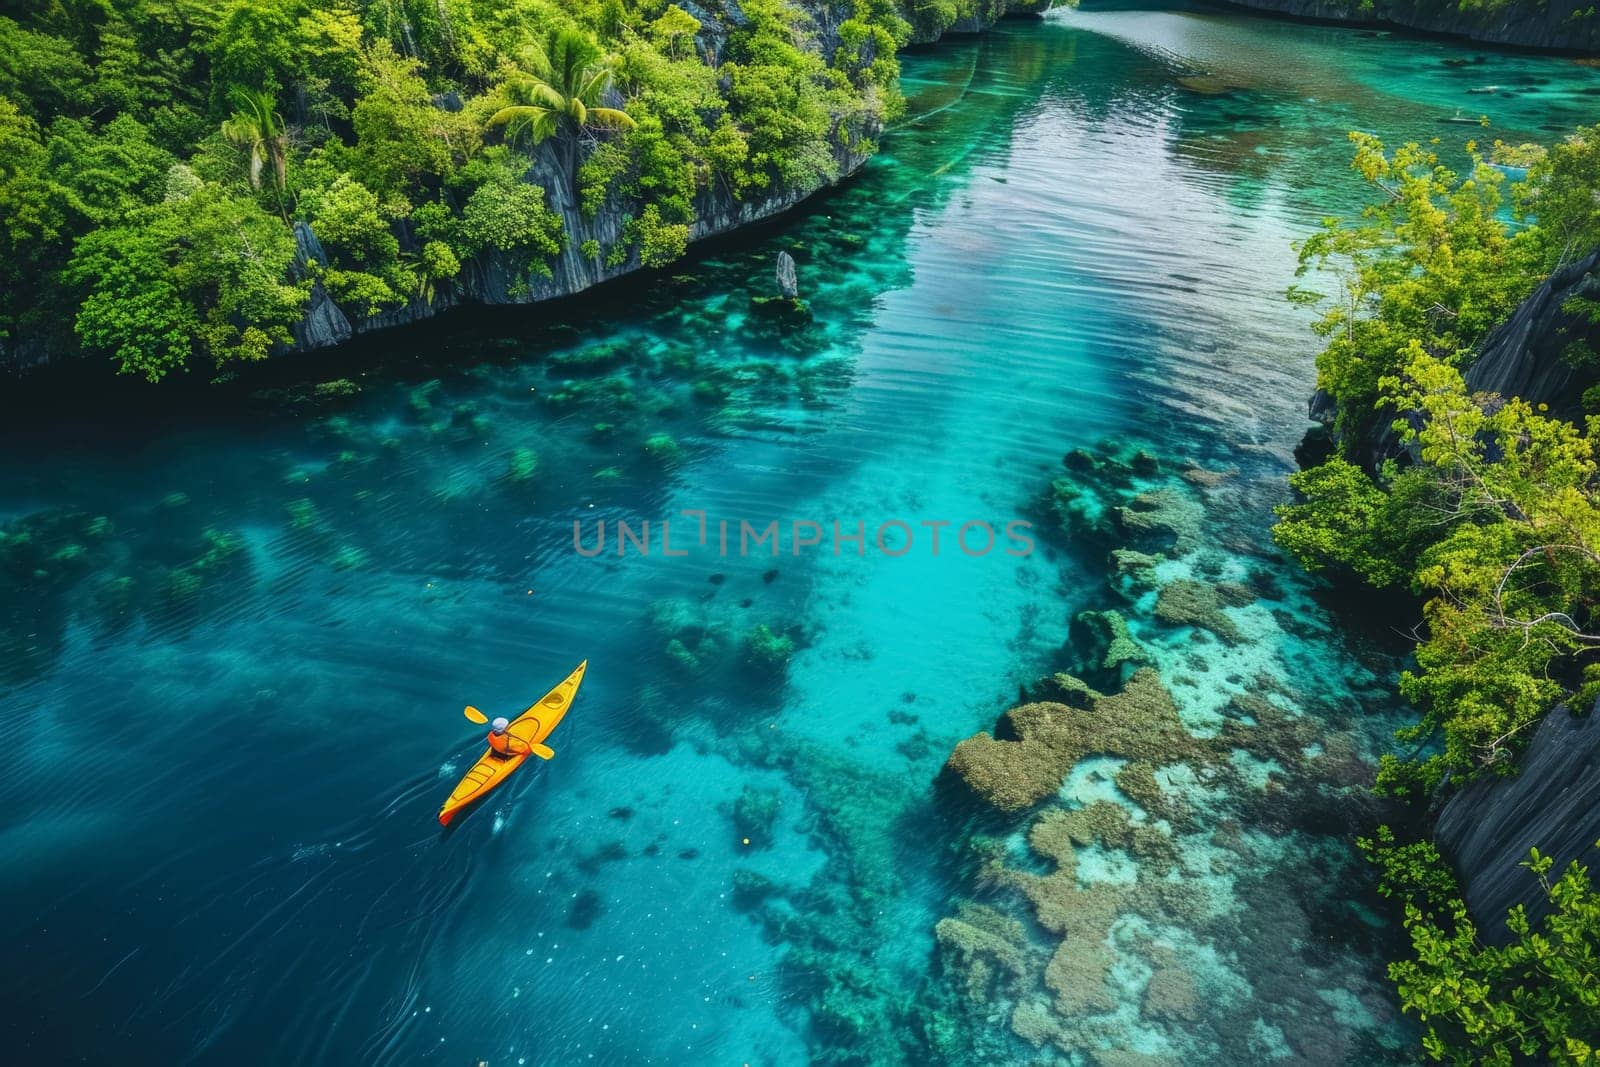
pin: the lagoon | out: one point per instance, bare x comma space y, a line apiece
234, 644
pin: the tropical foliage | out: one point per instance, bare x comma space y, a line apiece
156, 154
1496, 519
1493, 519
1533, 999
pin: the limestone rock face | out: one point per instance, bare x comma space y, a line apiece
1524, 356
323, 324
1552, 804
1529, 23
493, 278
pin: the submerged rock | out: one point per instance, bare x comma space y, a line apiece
1162, 518
1190, 603
754, 814
1528, 355
751, 889
985, 947
1109, 653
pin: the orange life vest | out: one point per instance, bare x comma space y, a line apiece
506, 745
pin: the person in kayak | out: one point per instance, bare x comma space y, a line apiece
503, 743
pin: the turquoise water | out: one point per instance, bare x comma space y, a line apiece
234, 643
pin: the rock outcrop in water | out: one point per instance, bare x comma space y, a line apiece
788, 281
1563, 25
1168, 796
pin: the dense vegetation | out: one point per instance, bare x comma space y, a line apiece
154, 153
1496, 523
1493, 519
1535, 999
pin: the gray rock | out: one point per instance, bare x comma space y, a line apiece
307, 249
323, 324
1529, 23
1552, 804
788, 283
492, 278
1524, 355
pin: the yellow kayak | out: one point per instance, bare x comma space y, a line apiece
531, 728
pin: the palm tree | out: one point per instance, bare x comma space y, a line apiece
257, 130
565, 81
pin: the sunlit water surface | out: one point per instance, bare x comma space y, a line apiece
232, 707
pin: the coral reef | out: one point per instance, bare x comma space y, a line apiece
1042, 741
1143, 838
1109, 652
753, 815
1189, 603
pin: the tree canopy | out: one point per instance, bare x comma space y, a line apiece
1496, 520
155, 154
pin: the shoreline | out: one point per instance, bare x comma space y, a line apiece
325, 327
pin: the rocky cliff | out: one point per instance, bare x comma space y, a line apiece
492, 279
497, 278
1563, 25
1552, 804
1547, 352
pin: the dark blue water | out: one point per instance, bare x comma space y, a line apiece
234, 645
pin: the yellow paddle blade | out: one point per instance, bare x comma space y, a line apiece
475, 715
544, 751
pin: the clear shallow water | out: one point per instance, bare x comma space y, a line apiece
1070, 246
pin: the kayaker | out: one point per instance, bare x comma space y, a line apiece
504, 743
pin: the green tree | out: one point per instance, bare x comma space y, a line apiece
41, 74
1432, 261
203, 275
257, 130
33, 215
1535, 999
351, 229
254, 49
402, 140
1560, 194
505, 213
674, 31
560, 95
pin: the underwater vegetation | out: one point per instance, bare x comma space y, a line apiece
712, 638
57, 566
1131, 823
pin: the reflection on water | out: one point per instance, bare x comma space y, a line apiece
235, 647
